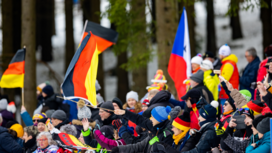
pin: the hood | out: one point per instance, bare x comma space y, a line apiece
231, 57
210, 73
3, 130
162, 96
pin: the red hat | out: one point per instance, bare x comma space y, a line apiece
255, 105
182, 122
146, 102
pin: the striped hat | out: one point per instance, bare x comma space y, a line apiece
40, 116
159, 77
182, 122
255, 105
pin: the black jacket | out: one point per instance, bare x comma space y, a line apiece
131, 139
217, 64
160, 99
52, 102
205, 92
268, 99
62, 123
7, 142
109, 120
95, 114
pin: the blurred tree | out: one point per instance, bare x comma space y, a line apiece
266, 24
28, 40
167, 23
235, 19
153, 24
210, 26
70, 44
44, 29
91, 12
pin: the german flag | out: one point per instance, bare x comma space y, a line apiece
104, 37
80, 77
13, 77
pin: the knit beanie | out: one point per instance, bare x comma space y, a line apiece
43, 120
160, 113
231, 102
133, 95
182, 122
208, 54
107, 105
59, 114
146, 102
40, 116
246, 94
83, 110
3, 104
48, 90
255, 105
247, 112
11, 107
107, 131
49, 112
268, 51
207, 64
118, 102
159, 77
193, 95
225, 50
19, 129
263, 126
209, 111
198, 76
197, 59
257, 120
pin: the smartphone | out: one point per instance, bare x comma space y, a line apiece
240, 121
216, 71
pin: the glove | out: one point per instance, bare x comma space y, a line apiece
124, 129
117, 123
115, 150
174, 113
219, 131
97, 126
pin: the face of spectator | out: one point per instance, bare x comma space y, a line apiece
35, 121
201, 119
103, 114
195, 66
188, 103
193, 83
227, 107
249, 57
26, 137
154, 121
41, 127
43, 142
44, 94
56, 122
81, 139
131, 102
115, 106
176, 131
144, 108
260, 135
149, 96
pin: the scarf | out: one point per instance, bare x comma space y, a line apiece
228, 112
196, 70
177, 138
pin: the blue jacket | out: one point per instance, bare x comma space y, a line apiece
27, 118
262, 146
7, 143
250, 75
73, 109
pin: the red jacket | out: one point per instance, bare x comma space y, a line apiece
262, 70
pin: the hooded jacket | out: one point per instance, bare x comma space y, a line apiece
160, 99
211, 81
262, 146
7, 142
230, 72
206, 93
52, 102
250, 75
7, 116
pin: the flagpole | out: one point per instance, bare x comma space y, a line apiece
23, 95
85, 25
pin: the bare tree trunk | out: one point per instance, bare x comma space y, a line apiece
167, 23
28, 40
266, 25
211, 37
153, 25
235, 22
70, 45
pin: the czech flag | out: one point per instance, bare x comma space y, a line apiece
80, 77
179, 67
13, 77
104, 37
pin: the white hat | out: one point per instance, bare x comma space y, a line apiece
132, 94
207, 64
225, 50
197, 60
3, 104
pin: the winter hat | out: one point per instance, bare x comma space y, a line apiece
59, 114
209, 111
231, 102
198, 76
193, 95
19, 129
208, 54
268, 51
257, 120
146, 102
263, 126
107, 105
3, 104
159, 77
48, 90
118, 102
132, 94
160, 113
225, 50
247, 111
197, 59
255, 105
99, 99
83, 110
43, 120
97, 86
49, 112
11, 107
246, 94
182, 122
107, 131
40, 116
42, 85
69, 129
207, 64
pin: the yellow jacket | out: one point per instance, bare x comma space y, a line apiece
211, 81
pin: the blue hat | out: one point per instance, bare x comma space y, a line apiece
48, 90
209, 111
160, 113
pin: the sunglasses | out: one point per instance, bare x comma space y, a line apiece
244, 109
35, 120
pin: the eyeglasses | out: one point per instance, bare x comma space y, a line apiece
42, 140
